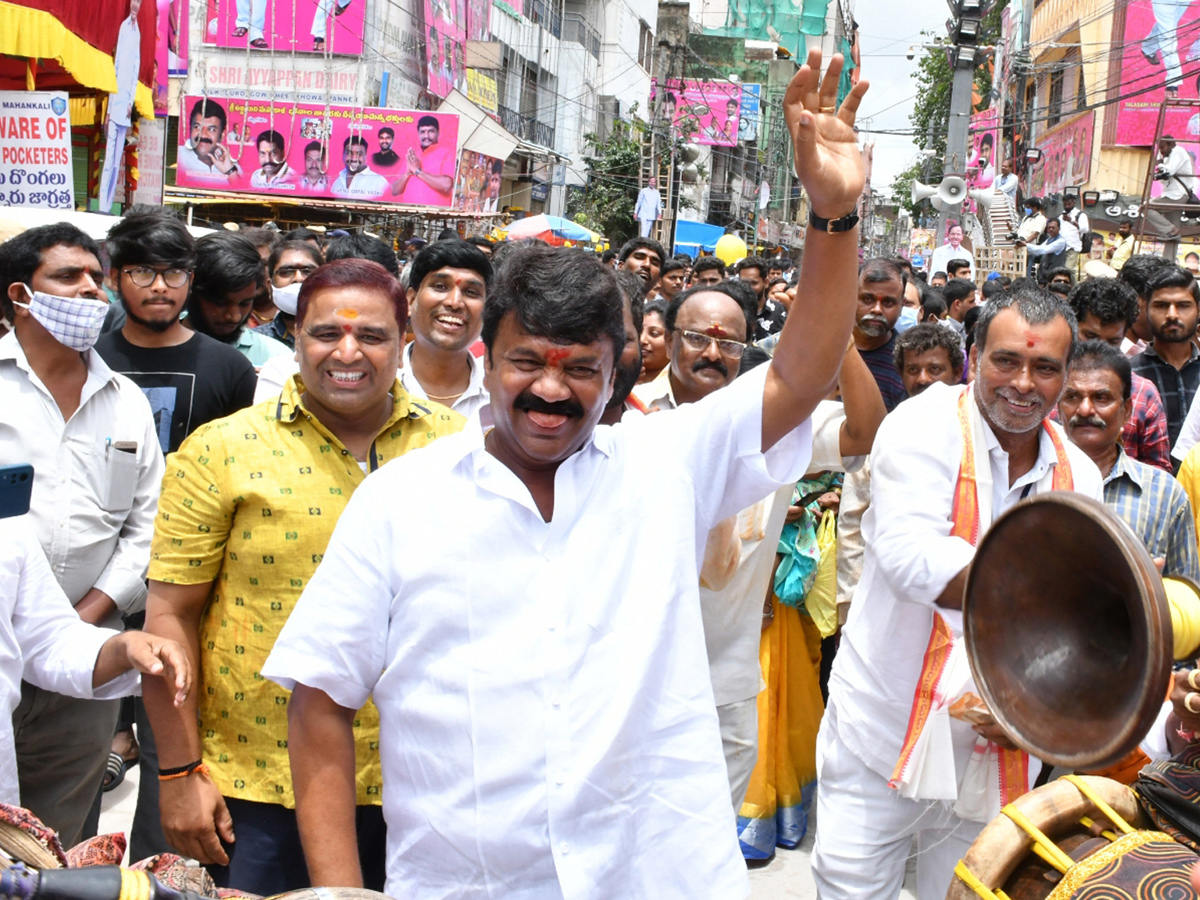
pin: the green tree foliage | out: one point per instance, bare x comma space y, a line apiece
930, 116
606, 203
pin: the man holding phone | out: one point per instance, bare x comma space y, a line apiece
90, 436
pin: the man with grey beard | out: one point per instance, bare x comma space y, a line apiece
881, 284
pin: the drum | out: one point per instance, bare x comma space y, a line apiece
1078, 838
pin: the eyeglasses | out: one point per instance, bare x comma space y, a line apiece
144, 276
293, 271
701, 342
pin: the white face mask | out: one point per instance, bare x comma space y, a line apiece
286, 298
74, 322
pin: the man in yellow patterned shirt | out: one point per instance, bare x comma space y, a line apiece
248, 506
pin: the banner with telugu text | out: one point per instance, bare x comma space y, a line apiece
35, 150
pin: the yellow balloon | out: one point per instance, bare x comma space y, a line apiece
730, 249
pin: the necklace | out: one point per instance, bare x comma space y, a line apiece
447, 397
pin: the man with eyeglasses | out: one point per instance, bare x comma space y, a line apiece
290, 263
706, 330
189, 378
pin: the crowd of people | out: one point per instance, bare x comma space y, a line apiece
439, 685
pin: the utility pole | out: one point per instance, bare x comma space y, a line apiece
963, 26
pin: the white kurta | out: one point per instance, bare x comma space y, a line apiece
548, 724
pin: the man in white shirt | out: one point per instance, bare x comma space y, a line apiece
1034, 223
952, 249
1177, 173
90, 435
648, 208
1074, 226
547, 720
356, 180
740, 553
48, 645
906, 611
1008, 183
127, 60
446, 312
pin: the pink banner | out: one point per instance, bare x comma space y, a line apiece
982, 164
171, 54
1066, 156
702, 112
1161, 47
445, 29
479, 20
306, 26
357, 153
478, 185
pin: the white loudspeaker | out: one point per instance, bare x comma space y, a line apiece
983, 198
952, 190
922, 192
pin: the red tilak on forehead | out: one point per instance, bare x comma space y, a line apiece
557, 354
1032, 339
717, 329
347, 328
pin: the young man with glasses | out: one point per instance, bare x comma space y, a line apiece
189, 378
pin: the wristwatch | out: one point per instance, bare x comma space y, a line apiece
832, 226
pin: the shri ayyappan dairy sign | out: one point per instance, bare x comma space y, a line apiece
35, 150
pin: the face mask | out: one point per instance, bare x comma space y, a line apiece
1028, 211
286, 298
74, 322
908, 318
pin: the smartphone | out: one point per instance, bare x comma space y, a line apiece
16, 485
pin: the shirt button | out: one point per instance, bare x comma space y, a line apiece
552, 627
556, 700
566, 848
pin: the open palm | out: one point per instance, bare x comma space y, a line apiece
828, 161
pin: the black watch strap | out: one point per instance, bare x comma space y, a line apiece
832, 226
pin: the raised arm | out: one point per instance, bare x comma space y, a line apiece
813, 341
863, 404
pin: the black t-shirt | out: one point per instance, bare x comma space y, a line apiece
187, 385
770, 319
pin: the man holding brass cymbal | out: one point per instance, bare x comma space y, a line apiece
945, 465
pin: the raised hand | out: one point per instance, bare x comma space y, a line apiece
828, 161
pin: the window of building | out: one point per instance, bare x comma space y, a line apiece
1054, 102
645, 46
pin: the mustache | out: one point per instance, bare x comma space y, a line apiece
1077, 421
532, 403
703, 364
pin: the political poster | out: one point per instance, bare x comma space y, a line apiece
309, 150
35, 150
478, 187
700, 112
750, 112
983, 141
284, 26
171, 54
446, 29
1066, 156
479, 20
1160, 57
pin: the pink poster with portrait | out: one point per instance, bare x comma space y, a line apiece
479, 20
346, 153
701, 112
1161, 53
445, 31
478, 186
283, 26
171, 52
1066, 156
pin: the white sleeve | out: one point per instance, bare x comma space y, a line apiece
827, 421
273, 376
336, 638
718, 442
58, 649
914, 469
1189, 434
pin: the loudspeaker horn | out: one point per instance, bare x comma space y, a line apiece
922, 192
952, 190
983, 197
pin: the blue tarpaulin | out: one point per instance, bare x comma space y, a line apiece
692, 237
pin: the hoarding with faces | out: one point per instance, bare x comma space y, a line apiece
284, 26
310, 150
445, 31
